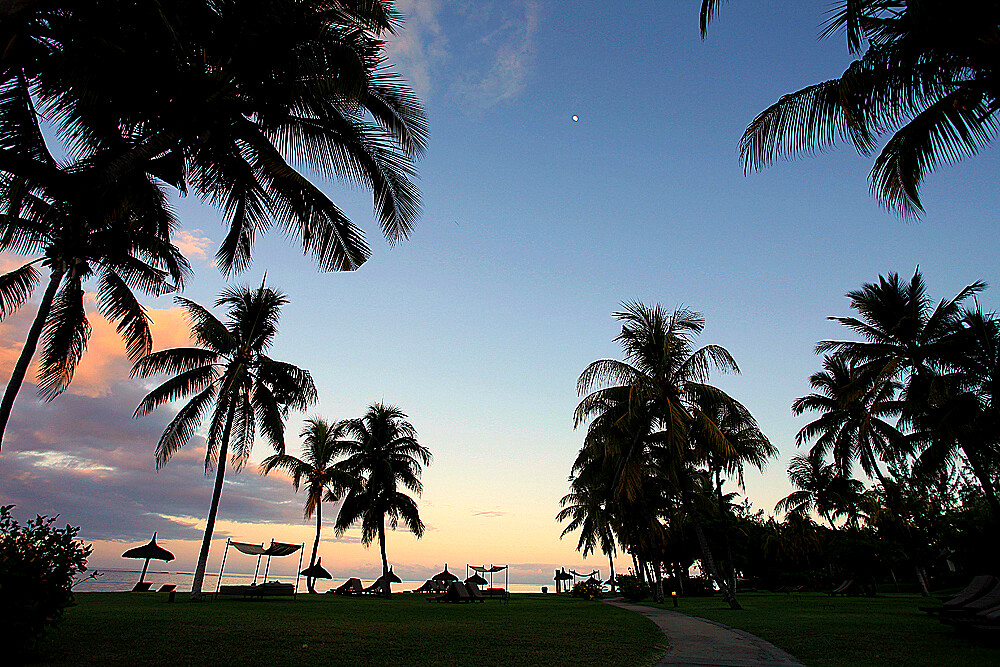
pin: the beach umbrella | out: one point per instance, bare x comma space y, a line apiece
444, 576
148, 551
563, 575
316, 571
476, 579
393, 578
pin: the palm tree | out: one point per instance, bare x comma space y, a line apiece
586, 507
820, 487
383, 456
231, 100
962, 414
642, 412
726, 437
920, 346
851, 425
322, 442
928, 75
231, 378
119, 236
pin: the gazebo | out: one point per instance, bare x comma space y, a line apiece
480, 570
258, 550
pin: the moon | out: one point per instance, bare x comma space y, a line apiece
575, 118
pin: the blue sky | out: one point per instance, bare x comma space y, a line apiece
534, 229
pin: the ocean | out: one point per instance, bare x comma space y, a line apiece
112, 581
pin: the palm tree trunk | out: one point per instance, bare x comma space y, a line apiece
220, 476
386, 591
310, 582
28, 351
709, 561
611, 563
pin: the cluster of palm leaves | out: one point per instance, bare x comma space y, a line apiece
910, 402
227, 99
659, 442
927, 74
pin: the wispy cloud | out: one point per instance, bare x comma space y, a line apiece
490, 513
477, 54
193, 244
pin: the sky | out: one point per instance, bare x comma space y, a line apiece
535, 228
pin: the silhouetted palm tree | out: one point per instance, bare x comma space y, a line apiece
851, 424
820, 487
929, 74
118, 236
233, 382
383, 456
642, 411
230, 100
322, 443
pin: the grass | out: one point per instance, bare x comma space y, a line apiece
130, 629
823, 631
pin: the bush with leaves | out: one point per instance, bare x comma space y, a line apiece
631, 588
37, 565
588, 590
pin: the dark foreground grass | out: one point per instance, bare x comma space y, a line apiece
845, 632
145, 629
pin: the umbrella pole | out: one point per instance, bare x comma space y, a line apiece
218, 584
298, 572
256, 570
267, 567
142, 577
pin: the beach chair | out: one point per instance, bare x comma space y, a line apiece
978, 587
350, 587
141, 587
984, 603
845, 588
475, 594
431, 586
374, 589
457, 592
166, 588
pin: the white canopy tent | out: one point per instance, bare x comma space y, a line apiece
258, 550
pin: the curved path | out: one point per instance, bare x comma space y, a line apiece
696, 642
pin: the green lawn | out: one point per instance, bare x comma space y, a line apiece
145, 629
846, 632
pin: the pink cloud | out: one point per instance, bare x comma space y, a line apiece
193, 244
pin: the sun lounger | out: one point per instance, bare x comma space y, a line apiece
845, 588
350, 587
166, 588
431, 586
983, 603
141, 587
374, 589
977, 588
457, 592
475, 594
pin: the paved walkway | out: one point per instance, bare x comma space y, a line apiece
696, 642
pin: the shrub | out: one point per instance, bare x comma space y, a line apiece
631, 588
37, 566
588, 590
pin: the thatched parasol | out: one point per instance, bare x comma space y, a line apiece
393, 577
444, 576
316, 571
477, 579
148, 551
